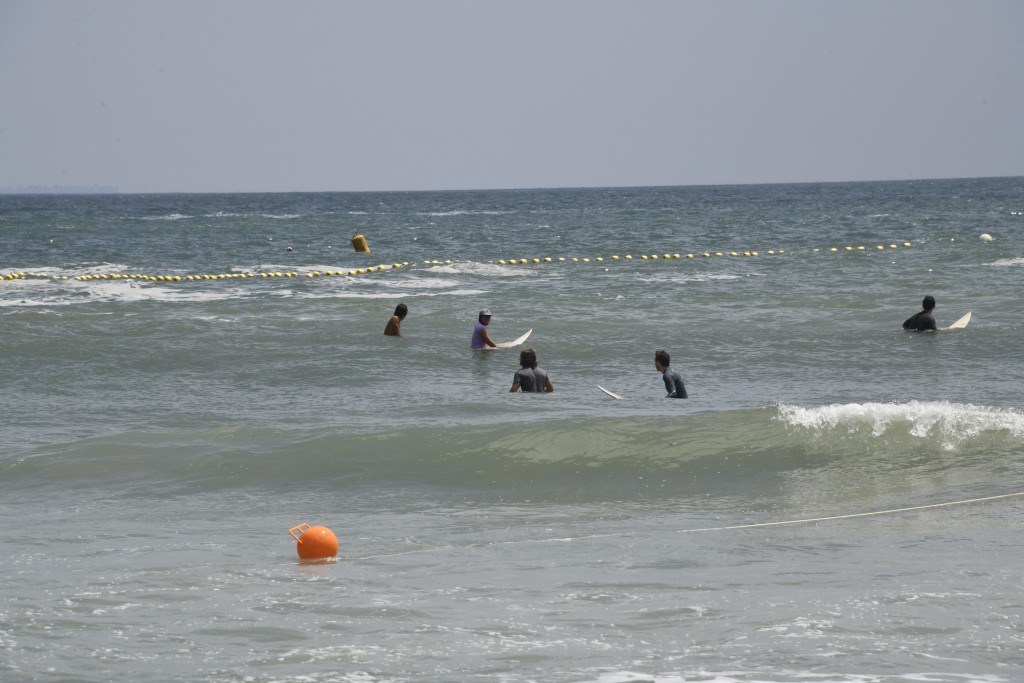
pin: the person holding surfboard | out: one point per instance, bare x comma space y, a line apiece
673, 381
529, 377
393, 328
481, 339
923, 321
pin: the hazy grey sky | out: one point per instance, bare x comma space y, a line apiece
248, 95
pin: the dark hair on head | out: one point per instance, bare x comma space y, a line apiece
662, 358
928, 303
401, 309
528, 358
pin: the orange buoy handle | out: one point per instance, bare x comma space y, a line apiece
299, 529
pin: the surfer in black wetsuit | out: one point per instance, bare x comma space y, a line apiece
923, 321
673, 381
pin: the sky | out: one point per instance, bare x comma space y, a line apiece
257, 96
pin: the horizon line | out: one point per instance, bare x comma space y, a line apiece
97, 189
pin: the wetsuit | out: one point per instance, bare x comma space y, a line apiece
920, 322
674, 384
531, 379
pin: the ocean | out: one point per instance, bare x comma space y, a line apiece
185, 378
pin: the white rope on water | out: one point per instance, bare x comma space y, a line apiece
732, 527
875, 513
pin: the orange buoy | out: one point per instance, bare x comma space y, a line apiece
360, 244
314, 542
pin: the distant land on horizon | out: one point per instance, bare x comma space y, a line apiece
60, 189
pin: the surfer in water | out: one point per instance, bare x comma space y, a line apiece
529, 377
481, 339
673, 381
393, 328
923, 321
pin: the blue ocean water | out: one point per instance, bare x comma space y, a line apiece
186, 377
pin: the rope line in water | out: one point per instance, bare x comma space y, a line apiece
667, 256
22, 275
207, 277
853, 515
732, 527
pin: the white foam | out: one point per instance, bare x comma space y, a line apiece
463, 212
1008, 262
424, 283
953, 422
477, 268
377, 294
70, 292
693, 277
168, 217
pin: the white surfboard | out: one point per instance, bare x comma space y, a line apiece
961, 323
515, 342
610, 393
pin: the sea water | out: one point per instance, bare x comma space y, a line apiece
837, 501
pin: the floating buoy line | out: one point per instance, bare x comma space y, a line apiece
679, 255
355, 272
368, 270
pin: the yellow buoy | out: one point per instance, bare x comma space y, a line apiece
359, 244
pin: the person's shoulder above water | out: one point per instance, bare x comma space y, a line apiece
922, 321
394, 326
529, 377
673, 380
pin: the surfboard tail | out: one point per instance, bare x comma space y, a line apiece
961, 323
